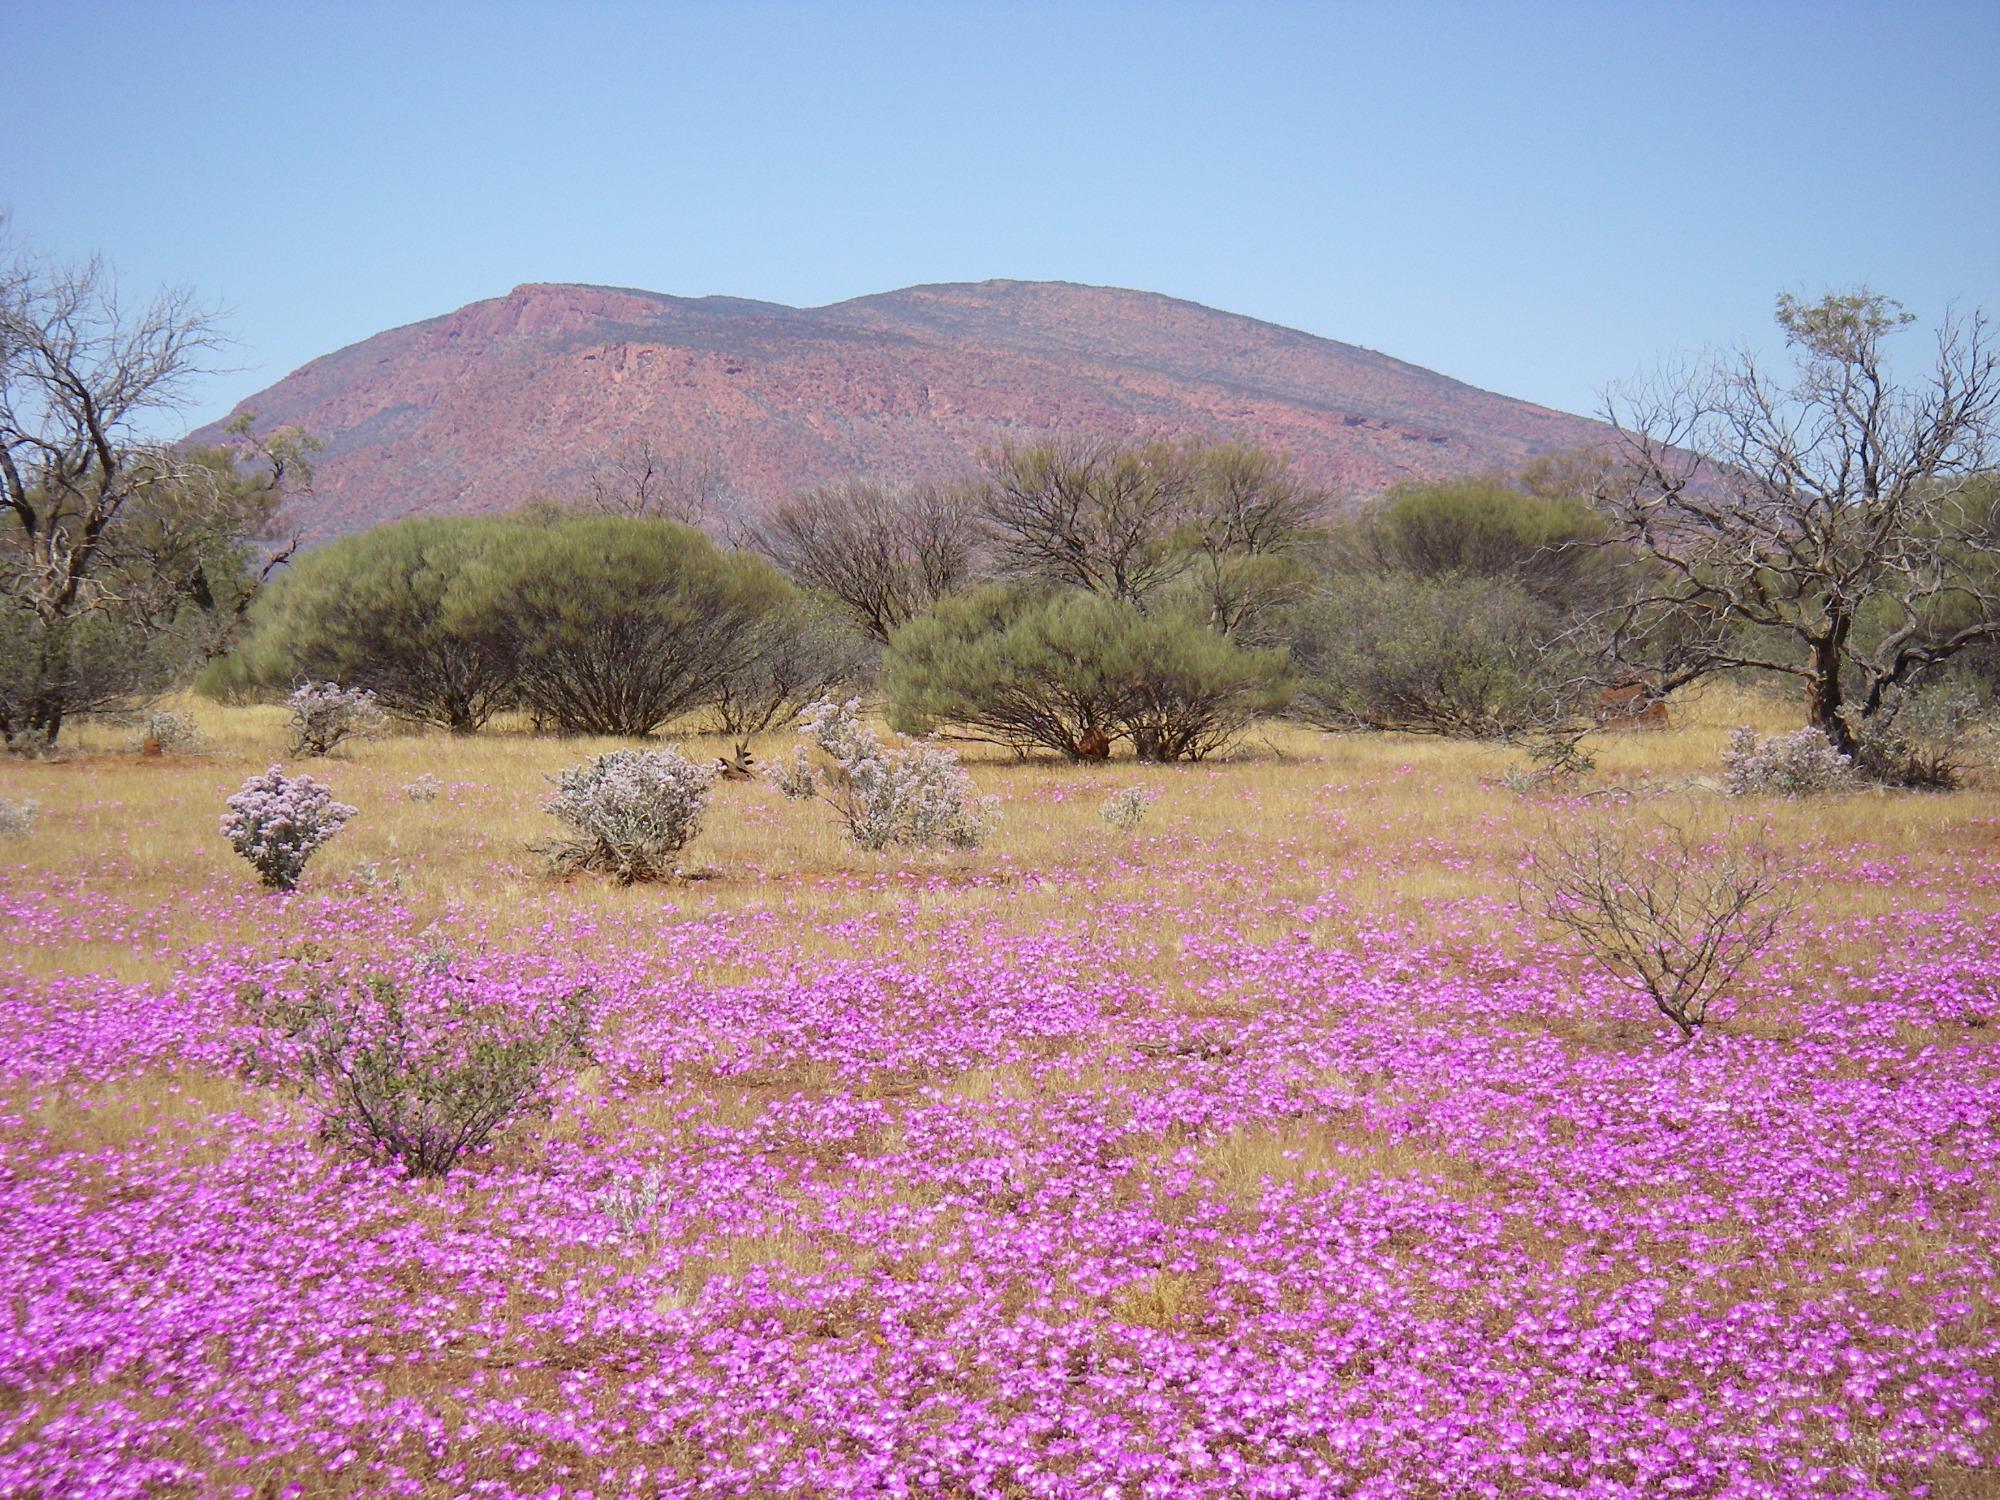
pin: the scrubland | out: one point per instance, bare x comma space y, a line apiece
1266, 1150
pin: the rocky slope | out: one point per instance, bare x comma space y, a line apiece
518, 395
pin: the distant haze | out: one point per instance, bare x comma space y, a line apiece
517, 396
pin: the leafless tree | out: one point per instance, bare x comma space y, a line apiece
1825, 524
1675, 916
886, 553
643, 478
1082, 512
1250, 517
108, 531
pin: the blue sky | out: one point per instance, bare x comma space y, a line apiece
1539, 199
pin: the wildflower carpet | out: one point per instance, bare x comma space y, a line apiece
1264, 1148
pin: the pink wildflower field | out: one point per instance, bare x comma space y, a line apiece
1246, 1155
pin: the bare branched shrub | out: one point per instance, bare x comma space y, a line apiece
1674, 916
417, 1070
1800, 764
631, 812
323, 714
916, 795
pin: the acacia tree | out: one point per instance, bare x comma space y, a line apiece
111, 539
886, 554
1824, 524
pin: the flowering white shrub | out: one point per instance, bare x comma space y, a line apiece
632, 811
1799, 764
325, 713
1125, 809
279, 822
15, 817
424, 789
163, 732
918, 795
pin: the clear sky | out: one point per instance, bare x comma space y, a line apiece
1539, 199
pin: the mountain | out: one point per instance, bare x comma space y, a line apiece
518, 395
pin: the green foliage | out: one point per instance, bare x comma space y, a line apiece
1057, 671
415, 1073
1485, 528
618, 625
804, 647
598, 625
1451, 654
1005, 665
388, 611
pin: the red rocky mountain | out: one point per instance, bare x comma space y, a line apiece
519, 395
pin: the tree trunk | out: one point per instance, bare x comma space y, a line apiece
1823, 697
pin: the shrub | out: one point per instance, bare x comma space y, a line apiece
1923, 737
1125, 809
617, 625
916, 795
323, 714
416, 1069
1556, 759
631, 811
424, 789
1006, 666
16, 818
1191, 692
802, 650
1671, 916
1068, 671
1803, 763
163, 732
279, 822
1457, 655
390, 610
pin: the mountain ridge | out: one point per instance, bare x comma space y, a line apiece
509, 397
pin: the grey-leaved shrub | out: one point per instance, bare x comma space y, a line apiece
164, 732
1125, 809
630, 813
16, 818
916, 795
416, 1069
1924, 737
323, 714
279, 822
1803, 763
